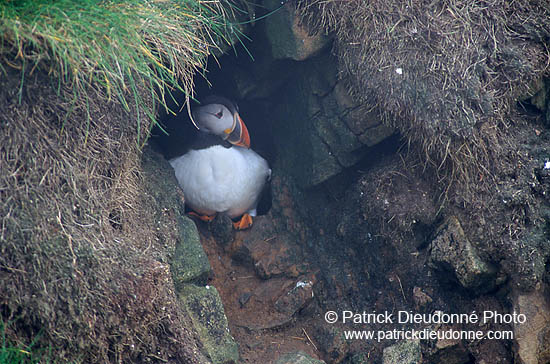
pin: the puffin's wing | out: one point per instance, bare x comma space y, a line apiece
265, 199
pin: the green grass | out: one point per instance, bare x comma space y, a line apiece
20, 354
117, 47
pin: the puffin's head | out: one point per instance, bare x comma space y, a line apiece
219, 116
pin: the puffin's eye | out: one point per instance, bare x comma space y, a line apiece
219, 114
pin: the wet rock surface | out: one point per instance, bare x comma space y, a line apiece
322, 129
189, 262
207, 314
405, 352
288, 37
452, 252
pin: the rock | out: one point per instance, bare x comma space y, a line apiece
258, 79
344, 100
296, 298
207, 314
320, 129
421, 299
244, 298
375, 135
323, 164
315, 143
362, 118
222, 229
297, 358
449, 351
265, 296
332, 343
320, 75
531, 337
404, 352
363, 121
271, 254
289, 38
341, 142
452, 252
160, 181
189, 262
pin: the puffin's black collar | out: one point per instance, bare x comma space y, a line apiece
206, 140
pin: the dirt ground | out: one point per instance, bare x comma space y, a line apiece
251, 323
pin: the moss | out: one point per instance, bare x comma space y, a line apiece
206, 310
190, 263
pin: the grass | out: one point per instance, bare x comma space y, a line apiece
18, 354
116, 47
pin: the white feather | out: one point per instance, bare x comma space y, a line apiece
218, 179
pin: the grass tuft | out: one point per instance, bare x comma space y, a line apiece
116, 47
11, 353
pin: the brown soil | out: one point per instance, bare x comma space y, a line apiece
263, 333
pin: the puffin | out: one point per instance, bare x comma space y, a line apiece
219, 173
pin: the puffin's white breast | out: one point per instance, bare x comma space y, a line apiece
218, 179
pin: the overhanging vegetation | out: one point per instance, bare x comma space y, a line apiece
115, 47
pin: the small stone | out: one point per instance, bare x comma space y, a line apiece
332, 342
449, 351
452, 252
420, 298
296, 298
222, 229
244, 298
404, 352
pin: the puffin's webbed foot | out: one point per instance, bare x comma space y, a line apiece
244, 223
205, 218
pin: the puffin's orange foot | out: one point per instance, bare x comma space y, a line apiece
202, 217
244, 223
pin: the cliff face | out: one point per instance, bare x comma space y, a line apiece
409, 174
409, 149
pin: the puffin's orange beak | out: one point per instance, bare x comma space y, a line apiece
239, 135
